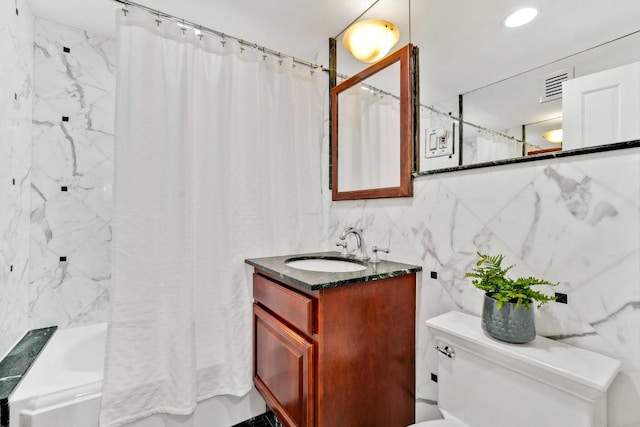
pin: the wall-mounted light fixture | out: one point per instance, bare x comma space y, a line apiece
554, 136
370, 40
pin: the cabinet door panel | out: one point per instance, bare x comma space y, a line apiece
283, 369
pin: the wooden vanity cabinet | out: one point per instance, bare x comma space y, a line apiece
342, 356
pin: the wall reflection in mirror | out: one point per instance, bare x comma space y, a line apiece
588, 99
369, 149
504, 74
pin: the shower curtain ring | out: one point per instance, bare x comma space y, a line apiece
158, 21
125, 10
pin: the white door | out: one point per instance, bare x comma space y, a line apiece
601, 108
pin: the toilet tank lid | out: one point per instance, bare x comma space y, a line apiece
545, 359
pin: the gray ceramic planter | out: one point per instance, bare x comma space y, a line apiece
510, 324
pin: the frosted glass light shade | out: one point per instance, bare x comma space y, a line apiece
521, 17
554, 136
371, 40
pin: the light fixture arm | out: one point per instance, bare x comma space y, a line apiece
356, 20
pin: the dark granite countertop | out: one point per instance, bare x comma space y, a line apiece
316, 280
14, 366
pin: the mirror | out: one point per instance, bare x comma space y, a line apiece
545, 100
373, 130
500, 72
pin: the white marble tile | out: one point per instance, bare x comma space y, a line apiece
610, 304
43, 186
16, 51
51, 37
78, 154
62, 91
487, 191
102, 115
610, 291
63, 295
93, 257
583, 228
95, 189
560, 321
63, 154
71, 224
626, 184
87, 65
618, 331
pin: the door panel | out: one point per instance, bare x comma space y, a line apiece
283, 369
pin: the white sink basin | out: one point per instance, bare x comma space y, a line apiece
325, 265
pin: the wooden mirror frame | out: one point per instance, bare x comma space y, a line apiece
407, 57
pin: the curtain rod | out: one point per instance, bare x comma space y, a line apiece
222, 35
242, 42
473, 125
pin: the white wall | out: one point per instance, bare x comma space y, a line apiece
39, 223
575, 220
16, 75
76, 154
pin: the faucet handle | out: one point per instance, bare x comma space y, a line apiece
343, 251
375, 250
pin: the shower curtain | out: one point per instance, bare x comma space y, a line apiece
217, 160
373, 153
492, 147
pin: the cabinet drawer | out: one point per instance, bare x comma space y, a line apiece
295, 308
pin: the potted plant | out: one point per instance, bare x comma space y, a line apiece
506, 311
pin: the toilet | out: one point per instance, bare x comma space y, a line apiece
483, 382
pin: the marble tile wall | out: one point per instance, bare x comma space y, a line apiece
16, 75
574, 220
72, 172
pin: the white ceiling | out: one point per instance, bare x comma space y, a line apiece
463, 44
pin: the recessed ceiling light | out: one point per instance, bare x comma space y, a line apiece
521, 17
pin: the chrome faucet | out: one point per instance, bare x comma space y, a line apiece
361, 250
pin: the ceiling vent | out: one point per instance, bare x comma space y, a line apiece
552, 85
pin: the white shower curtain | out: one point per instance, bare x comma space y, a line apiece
372, 154
491, 147
217, 159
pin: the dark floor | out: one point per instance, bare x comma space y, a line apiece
265, 420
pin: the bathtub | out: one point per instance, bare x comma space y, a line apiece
63, 388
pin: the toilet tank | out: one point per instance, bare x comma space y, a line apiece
542, 383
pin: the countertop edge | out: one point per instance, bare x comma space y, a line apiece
276, 267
